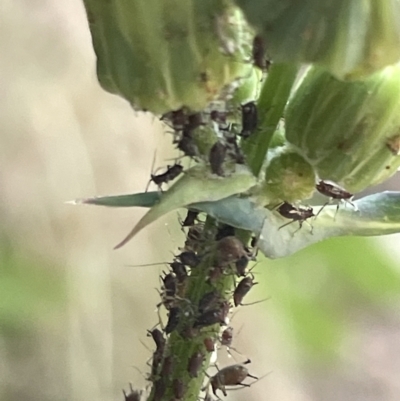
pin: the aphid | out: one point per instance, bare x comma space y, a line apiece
159, 389
178, 388
216, 158
167, 366
295, 213
178, 119
158, 338
171, 173
218, 116
333, 191
249, 119
194, 364
209, 344
242, 289
213, 316
233, 375
208, 300
229, 250
259, 53
188, 146
180, 270
173, 319
190, 218
224, 230
170, 285
134, 395
241, 265
189, 258
194, 121
227, 337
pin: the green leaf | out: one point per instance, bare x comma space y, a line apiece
197, 185
377, 214
143, 199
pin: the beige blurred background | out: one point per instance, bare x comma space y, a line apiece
73, 316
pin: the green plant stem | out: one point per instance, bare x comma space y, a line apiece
271, 104
180, 344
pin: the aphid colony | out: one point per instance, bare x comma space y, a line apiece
204, 316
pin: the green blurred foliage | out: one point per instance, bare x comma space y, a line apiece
31, 291
317, 291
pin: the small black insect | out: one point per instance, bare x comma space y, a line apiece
171, 173
159, 389
173, 319
158, 338
249, 119
190, 218
229, 250
213, 316
259, 53
189, 258
134, 395
241, 265
295, 213
170, 286
208, 301
334, 192
180, 270
216, 158
188, 146
209, 344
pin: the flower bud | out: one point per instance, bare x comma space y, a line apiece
348, 131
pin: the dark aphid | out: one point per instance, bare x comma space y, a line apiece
188, 146
334, 192
208, 301
134, 395
213, 316
230, 376
169, 285
227, 337
259, 53
178, 388
295, 213
158, 338
216, 158
194, 364
159, 389
180, 270
189, 258
178, 119
242, 289
224, 230
229, 250
234, 150
241, 265
190, 218
214, 274
218, 116
194, 121
173, 319
169, 175
167, 367
209, 344
249, 119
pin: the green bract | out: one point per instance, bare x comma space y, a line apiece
288, 177
351, 38
162, 55
348, 131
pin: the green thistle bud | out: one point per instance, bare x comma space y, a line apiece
162, 55
288, 177
348, 131
351, 38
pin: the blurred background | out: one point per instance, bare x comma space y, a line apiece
74, 315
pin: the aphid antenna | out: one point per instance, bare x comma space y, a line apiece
152, 170
256, 380
256, 302
300, 225
148, 264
